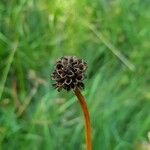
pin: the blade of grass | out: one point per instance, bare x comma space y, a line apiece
7, 68
115, 51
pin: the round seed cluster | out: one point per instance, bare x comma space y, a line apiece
69, 73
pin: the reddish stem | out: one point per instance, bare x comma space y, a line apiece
88, 131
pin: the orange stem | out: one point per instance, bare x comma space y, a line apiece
88, 131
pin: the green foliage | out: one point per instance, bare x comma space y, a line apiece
112, 36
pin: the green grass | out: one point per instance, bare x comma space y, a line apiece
112, 36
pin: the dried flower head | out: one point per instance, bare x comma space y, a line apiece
69, 73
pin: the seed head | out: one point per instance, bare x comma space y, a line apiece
69, 73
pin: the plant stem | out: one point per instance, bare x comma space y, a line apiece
86, 119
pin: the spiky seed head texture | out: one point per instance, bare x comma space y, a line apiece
69, 73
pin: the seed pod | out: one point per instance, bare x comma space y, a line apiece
69, 73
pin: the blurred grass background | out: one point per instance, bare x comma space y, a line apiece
112, 36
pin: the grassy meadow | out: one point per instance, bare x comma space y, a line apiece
112, 36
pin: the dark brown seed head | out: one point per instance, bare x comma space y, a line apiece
69, 73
